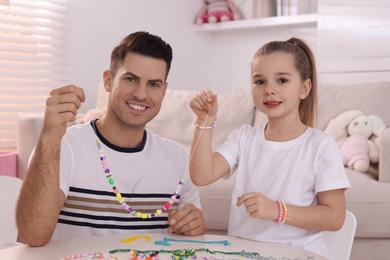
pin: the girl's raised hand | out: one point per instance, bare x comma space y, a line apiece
205, 104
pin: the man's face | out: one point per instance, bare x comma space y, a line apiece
137, 89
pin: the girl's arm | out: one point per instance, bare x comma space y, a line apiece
328, 215
205, 166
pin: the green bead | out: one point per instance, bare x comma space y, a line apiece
111, 181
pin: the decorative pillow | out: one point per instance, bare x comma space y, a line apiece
176, 119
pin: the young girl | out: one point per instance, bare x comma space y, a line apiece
290, 179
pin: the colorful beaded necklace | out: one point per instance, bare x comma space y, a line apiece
182, 254
118, 195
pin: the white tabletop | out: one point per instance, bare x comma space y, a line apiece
60, 248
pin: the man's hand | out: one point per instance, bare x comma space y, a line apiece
187, 220
61, 108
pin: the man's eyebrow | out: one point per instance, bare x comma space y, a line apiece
157, 80
131, 74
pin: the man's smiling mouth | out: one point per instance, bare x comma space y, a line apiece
137, 107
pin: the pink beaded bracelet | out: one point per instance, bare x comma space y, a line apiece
281, 212
203, 127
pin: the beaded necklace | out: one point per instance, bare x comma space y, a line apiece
118, 195
181, 254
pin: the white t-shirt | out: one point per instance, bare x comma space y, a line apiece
146, 177
293, 172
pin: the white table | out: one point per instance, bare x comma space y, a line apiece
57, 249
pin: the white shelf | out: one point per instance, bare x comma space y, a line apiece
303, 20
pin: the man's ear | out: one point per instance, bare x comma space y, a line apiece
107, 80
305, 89
165, 88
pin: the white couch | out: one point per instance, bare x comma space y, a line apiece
368, 198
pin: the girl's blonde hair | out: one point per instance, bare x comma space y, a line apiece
305, 65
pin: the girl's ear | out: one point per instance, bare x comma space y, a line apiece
107, 80
305, 89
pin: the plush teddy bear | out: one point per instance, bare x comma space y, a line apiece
356, 135
214, 11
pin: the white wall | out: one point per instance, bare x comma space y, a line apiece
354, 41
352, 36
96, 26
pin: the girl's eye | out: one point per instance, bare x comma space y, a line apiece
259, 82
283, 80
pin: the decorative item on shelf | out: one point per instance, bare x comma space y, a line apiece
215, 11
264, 8
295, 7
4, 4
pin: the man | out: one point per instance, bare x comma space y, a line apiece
110, 176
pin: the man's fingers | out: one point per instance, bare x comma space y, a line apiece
79, 92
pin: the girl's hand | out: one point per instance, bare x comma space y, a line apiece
259, 206
205, 104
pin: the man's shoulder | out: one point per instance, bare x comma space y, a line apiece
163, 141
78, 131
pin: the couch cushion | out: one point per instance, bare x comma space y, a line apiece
370, 98
369, 200
234, 110
215, 200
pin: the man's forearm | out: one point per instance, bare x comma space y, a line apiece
40, 199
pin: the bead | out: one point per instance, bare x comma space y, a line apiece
111, 181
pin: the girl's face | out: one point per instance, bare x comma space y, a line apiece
277, 88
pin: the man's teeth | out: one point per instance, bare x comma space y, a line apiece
137, 107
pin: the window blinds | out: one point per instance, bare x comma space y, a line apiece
33, 59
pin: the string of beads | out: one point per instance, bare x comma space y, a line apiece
180, 254
90, 256
118, 195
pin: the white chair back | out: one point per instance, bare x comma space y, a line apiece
340, 242
9, 193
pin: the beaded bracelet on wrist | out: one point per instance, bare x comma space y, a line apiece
204, 127
283, 213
